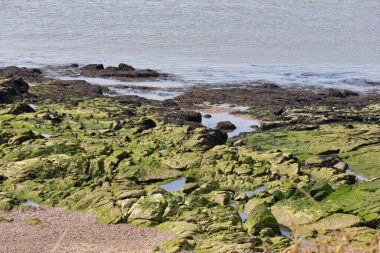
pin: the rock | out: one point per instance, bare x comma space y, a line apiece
226, 126
184, 118
334, 93
238, 143
321, 161
13, 90
123, 71
146, 124
207, 116
20, 108
179, 245
30, 74
148, 208
348, 93
74, 65
32, 221
320, 190
253, 203
341, 166
190, 116
214, 137
260, 218
93, 67
125, 67
268, 86
189, 187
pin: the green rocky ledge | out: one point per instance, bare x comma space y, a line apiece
110, 158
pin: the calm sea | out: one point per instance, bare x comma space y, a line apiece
326, 42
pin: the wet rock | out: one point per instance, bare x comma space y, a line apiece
125, 67
213, 138
268, 86
190, 116
207, 116
65, 90
20, 108
123, 71
30, 74
93, 67
348, 93
146, 124
13, 90
260, 218
226, 126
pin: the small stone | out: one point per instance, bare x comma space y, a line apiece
341, 166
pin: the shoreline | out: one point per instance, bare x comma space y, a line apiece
79, 149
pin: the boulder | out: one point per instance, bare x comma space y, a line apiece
214, 137
226, 126
261, 218
12, 90
31, 74
146, 124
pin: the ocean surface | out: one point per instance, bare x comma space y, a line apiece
334, 43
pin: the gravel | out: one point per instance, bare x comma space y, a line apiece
73, 231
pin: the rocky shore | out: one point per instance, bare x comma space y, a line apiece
306, 179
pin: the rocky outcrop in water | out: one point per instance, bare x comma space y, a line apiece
123, 71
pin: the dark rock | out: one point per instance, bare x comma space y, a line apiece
63, 90
268, 86
169, 103
123, 71
190, 116
74, 65
125, 67
213, 138
93, 67
181, 118
20, 108
226, 126
335, 93
25, 73
145, 125
12, 90
348, 93
207, 116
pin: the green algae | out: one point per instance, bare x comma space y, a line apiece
357, 144
97, 161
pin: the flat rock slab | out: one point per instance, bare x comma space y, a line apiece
73, 231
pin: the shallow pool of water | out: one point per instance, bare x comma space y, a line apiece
31, 203
358, 177
285, 231
258, 189
242, 124
174, 185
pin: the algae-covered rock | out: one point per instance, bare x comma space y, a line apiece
178, 245
260, 218
32, 221
150, 208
